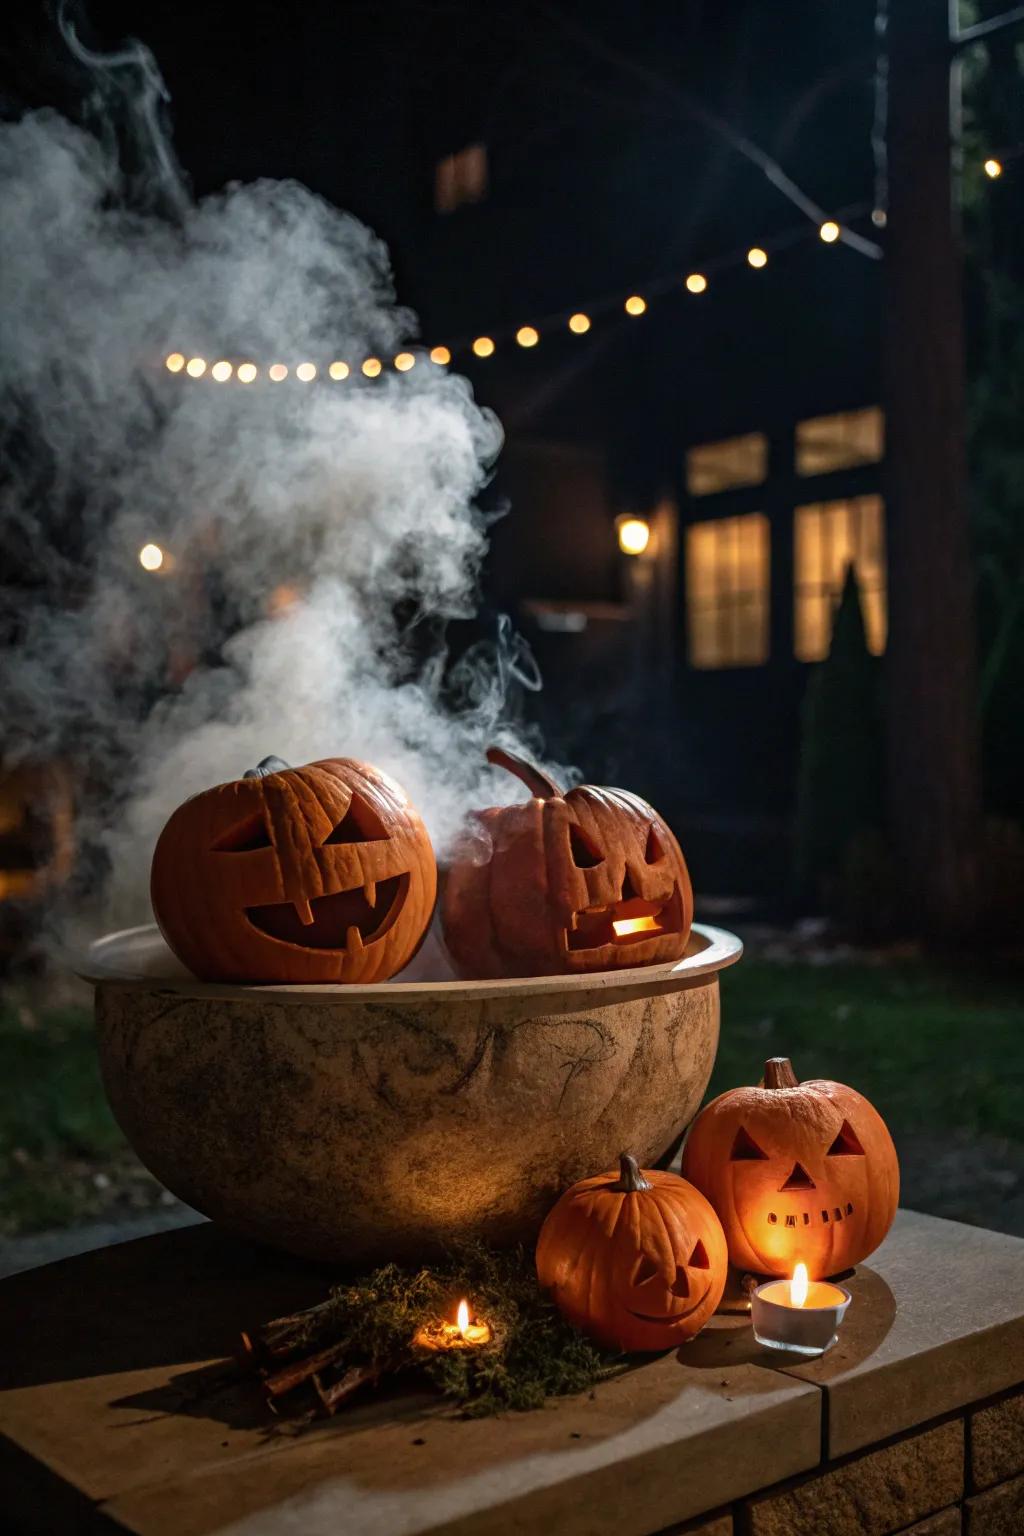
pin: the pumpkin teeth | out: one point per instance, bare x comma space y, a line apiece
370, 892
354, 940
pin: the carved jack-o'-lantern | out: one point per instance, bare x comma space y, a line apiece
798, 1173
587, 881
323, 873
638, 1259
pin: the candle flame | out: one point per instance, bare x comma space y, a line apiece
635, 925
462, 1317
798, 1286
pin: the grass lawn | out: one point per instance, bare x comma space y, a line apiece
939, 1052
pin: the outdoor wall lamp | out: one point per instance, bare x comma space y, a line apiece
634, 534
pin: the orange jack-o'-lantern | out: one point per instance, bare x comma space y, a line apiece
798, 1173
587, 881
636, 1259
323, 873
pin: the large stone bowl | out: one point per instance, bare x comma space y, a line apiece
362, 1123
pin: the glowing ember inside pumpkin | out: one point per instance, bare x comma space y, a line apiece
629, 925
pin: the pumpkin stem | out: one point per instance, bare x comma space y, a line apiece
778, 1073
631, 1181
268, 765
540, 785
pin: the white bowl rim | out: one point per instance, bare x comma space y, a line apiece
709, 950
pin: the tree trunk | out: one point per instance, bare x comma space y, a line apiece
933, 752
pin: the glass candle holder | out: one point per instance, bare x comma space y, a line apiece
808, 1328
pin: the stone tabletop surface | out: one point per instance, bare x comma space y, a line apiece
118, 1411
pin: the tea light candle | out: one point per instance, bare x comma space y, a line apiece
800, 1315
462, 1334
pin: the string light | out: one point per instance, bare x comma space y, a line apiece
483, 346
527, 336
993, 169
175, 362
404, 361
696, 282
441, 356
829, 231
635, 305
756, 257
151, 557
247, 372
339, 370
579, 324
634, 534
372, 367
221, 371
195, 367
306, 372
277, 372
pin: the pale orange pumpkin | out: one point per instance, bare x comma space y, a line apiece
315, 874
637, 1259
586, 881
798, 1173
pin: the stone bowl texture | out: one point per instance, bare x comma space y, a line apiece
355, 1124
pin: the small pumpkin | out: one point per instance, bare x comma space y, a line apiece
590, 880
798, 1173
316, 874
637, 1259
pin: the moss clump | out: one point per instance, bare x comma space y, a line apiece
534, 1354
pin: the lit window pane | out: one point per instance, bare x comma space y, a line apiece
722, 466
727, 576
827, 443
828, 538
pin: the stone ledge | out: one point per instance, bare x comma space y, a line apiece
873, 1494
948, 1522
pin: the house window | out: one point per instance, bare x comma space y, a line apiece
723, 466
829, 536
827, 443
461, 178
727, 591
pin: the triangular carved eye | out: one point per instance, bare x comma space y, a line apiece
245, 837
645, 1270
358, 825
654, 851
699, 1257
846, 1143
744, 1148
585, 854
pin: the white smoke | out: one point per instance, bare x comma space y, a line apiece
352, 501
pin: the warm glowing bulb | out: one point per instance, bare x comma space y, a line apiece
829, 231
306, 372
635, 305
221, 371
462, 1316
440, 355
372, 367
579, 324
993, 168
798, 1286
195, 367
338, 370
483, 346
527, 336
175, 362
404, 361
247, 372
151, 557
696, 282
756, 257
277, 372
634, 535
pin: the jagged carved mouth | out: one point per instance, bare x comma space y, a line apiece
348, 920
829, 1214
624, 922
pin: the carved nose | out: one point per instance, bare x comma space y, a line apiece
681, 1285
799, 1178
